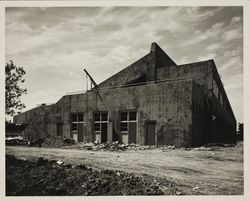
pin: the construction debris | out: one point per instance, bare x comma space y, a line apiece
69, 143
219, 145
195, 188
59, 162
54, 141
14, 141
117, 146
57, 141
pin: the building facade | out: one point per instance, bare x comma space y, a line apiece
152, 101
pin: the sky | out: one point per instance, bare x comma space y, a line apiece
55, 44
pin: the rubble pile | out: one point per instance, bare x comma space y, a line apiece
54, 141
114, 146
110, 146
57, 141
44, 177
117, 146
69, 143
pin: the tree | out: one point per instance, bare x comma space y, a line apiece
13, 78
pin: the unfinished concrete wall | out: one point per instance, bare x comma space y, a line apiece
39, 122
26, 117
142, 70
222, 123
223, 99
161, 58
167, 103
198, 110
218, 122
137, 70
200, 72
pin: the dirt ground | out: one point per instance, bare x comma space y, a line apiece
48, 178
213, 171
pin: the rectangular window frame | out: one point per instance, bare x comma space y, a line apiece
127, 121
100, 120
76, 121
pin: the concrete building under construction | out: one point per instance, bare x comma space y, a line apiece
152, 101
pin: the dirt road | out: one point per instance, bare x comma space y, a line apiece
218, 171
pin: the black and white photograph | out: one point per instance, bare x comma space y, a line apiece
124, 100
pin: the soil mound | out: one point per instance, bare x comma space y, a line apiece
43, 177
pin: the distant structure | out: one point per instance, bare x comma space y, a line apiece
13, 130
152, 101
240, 133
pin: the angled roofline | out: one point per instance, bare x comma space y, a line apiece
217, 75
197, 62
122, 70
